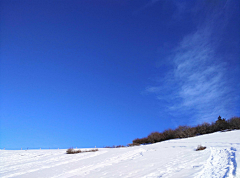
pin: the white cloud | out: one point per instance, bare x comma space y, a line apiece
197, 83
200, 77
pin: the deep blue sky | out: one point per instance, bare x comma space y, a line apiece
103, 72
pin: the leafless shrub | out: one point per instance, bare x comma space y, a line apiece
188, 131
133, 144
169, 134
181, 131
220, 124
93, 150
155, 137
234, 123
203, 128
200, 147
72, 151
191, 132
140, 141
115, 146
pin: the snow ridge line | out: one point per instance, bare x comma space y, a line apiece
221, 163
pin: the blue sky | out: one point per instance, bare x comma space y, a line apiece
104, 72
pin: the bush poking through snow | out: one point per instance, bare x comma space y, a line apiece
200, 147
133, 144
72, 151
114, 146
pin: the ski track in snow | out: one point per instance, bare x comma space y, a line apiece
221, 163
108, 162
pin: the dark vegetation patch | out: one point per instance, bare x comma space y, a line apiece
115, 146
72, 151
188, 131
184, 131
133, 144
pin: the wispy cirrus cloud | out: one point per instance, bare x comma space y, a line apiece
197, 85
199, 77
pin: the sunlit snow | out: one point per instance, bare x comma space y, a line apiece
173, 158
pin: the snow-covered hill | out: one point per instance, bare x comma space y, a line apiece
174, 158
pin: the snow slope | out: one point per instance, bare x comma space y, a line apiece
173, 158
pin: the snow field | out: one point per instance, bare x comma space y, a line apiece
169, 159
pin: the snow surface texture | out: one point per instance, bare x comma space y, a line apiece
173, 158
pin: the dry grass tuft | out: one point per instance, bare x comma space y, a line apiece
72, 151
200, 147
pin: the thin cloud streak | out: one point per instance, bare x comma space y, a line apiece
197, 84
200, 77
201, 82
